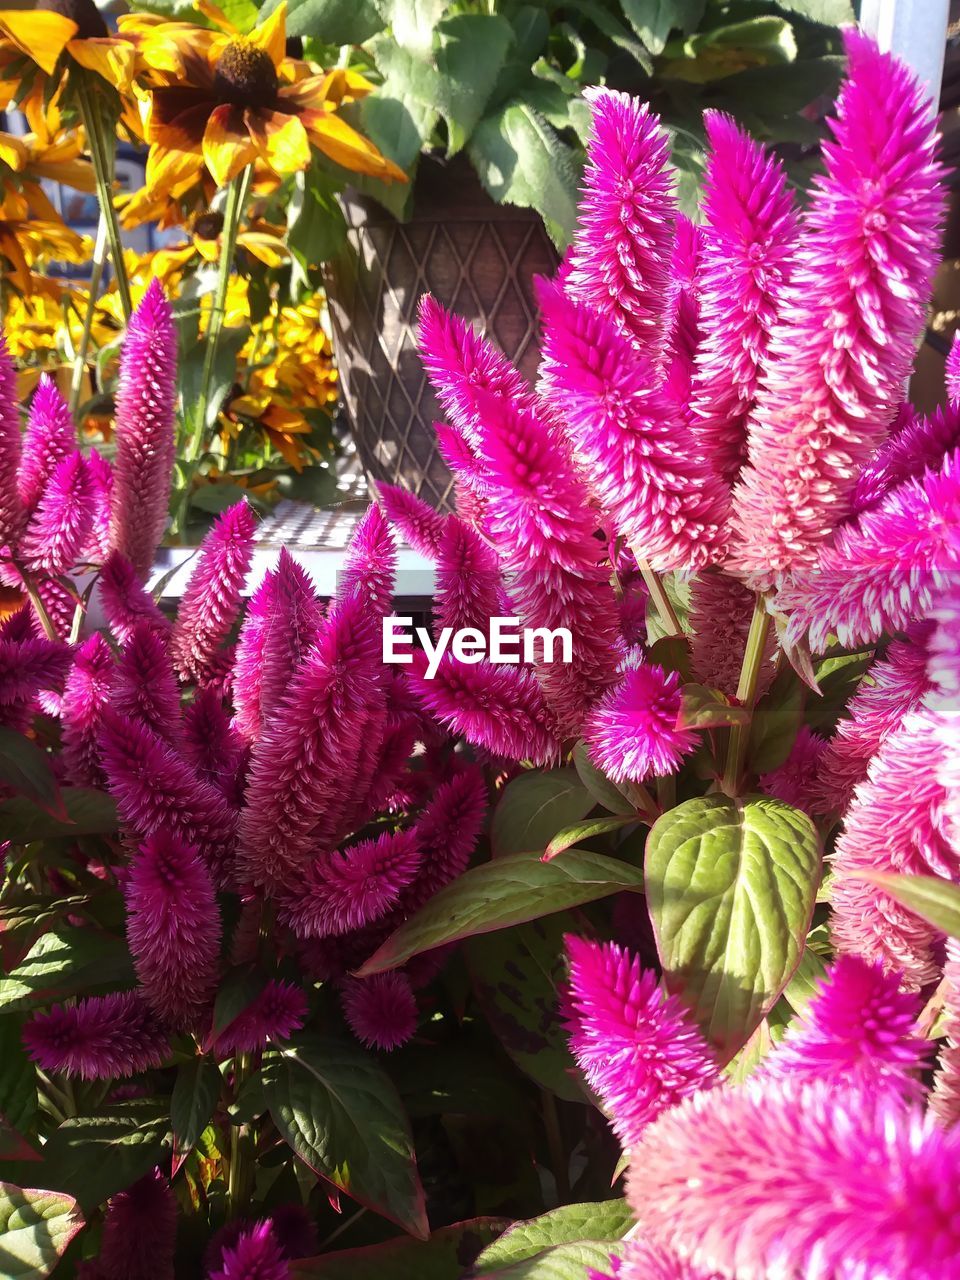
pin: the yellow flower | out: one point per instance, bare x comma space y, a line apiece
50, 28
26, 238
231, 100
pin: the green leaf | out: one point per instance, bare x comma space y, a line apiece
89, 813
516, 977
563, 1262
731, 886
615, 797
330, 21
775, 724
63, 962
215, 498
653, 20
501, 893
94, 1157
26, 770
521, 160
237, 992
608, 1220
338, 1110
534, 807
443, 1257
570, 836
401, 115
243, 14
703, 708
195, 1094
224, 374
470, 56
316, 228
806, 979
831, 13
413, 21
18, 1090
35, 1229
932, 899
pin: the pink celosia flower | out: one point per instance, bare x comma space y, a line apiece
463, 366
635, 447
99, 1038
894, 823
140, 1232
211, 601
895, 688
683, 319
750, 228
468, 591
944, 1101
840, 357
124, 601
11, 510
639, 1049
721, 609
213, 745
643, 1261
145, 687
255, 1256
468, 474
882, 572
276, 1013
382, 1010
146, 397
101, 483
281, 623
302, 766
952, 372
49, 438
921, 444
60, 528
173, 928
632, 732
85, 694
620, 257
353, 887
371, 562
156, 789
859, 1030
447, 831
28, 666
801, 1181
497, 707
417, 521
795, 781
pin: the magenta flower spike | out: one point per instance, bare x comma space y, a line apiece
50, 437
281, 623
643, 1261
212, 599
448, 831
146, 398
29, 666
354, 887
145, 688
381, 1011
639, 1050
921, 444
748, 238
214, 745
86, 692
721, 608
683, 318
952, 372
635, 447
101, 477
140, 1232
898, 683
60, 528
859, 287
859, 1031
468, 590
885, 570
99, 1038
496, 707
371, 563
11, 510
772, 1180
302, 764
620, 258
173, 929
275, 1013
156, 789
256, 1255
632, 733
417, 521
124, 600
944, 1100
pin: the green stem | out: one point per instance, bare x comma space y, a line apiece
747, 692
103, 156
658, 594
242, 1147
96, 275
558, 1160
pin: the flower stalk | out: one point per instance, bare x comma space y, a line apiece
747, 692
103, 155
96, 275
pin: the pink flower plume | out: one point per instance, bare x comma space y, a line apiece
371, 562
11, 510
173, 928
145, 687
256, 1255
275, 1013
213, 744
101, 481
140, 1232
125, 601
211, 601
417, 521
744, 263
146, 398
29, 666
721, 608
921, 444
944, 1099
620, 256
632, 732
952, 372
643, 1261
638, 1048
281, 623
50, 437
859, 288
447, 831
382, 1010
683, 315
99, 1038
60, 528
468, 590
813, 1181
86, 693
795, 781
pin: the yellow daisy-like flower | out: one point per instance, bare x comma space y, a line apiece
260, 240
232, 100
50, 28
26, 239
31, 159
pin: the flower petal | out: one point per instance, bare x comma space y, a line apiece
41, 35
113, 59
270, 250
227, 146
271, 35
336, 139
12, 152
281, 139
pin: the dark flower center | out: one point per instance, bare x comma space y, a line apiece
245, 75
90, 24
208, 226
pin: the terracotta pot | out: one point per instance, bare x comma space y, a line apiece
476, 257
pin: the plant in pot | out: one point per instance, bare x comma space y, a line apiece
483, 107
